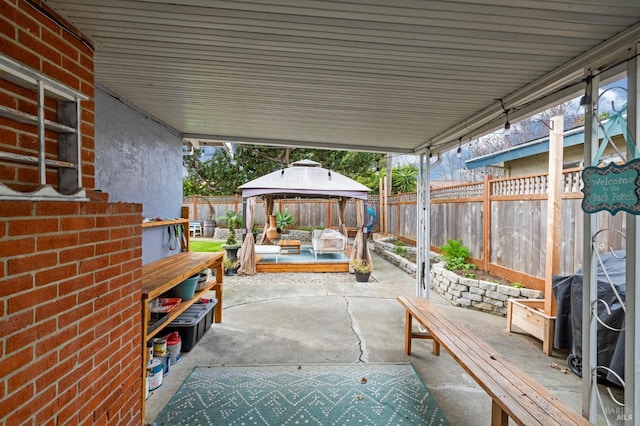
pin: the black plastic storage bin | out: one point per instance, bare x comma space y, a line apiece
192, 324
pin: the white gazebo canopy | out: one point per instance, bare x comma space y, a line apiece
305, 178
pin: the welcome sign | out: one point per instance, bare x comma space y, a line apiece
612, 188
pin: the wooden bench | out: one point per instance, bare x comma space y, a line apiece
513, 393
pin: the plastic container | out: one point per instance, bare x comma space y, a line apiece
193, 323
187, 288
174, 346
154, 377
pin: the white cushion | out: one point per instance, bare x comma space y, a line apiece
266, 249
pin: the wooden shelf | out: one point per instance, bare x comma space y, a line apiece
162, 275
180, 309
166, 222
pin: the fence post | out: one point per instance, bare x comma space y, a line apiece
486, 224
398, 197
195, 208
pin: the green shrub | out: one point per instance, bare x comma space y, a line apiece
400, 249
455, 255
283, 219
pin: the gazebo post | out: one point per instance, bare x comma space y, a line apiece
244, 218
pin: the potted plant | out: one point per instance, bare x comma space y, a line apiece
283, 219
362, 269
230, 266
231, 246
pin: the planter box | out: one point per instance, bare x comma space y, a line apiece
529, 316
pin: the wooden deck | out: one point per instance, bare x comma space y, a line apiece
284, 266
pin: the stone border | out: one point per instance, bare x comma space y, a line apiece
469, 293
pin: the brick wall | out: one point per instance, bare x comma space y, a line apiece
35, 40
70, 340
70, 323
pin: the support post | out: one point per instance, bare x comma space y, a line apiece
486, 224
589, 335
632, 322
552, 253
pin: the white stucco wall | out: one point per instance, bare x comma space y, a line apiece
138, 160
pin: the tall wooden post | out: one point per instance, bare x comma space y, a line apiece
552, 256
486, 224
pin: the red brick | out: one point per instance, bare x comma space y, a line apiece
133, 242
75, 68
79, 313
31, 335
11, 324
15, 400
13, 362
55, 40
28, 373
51, 208
55, 341
54, 274
99, 318
60, 74
30, 263
74, 376
93, 264
19, 18
97, 196
7, 174
31, 298
75, 284
15, 209
19, 53
109, 247
33, 226
108, 273
94, 236
16, 285
87, 62
133, 265
49, 410
75, 345
51, 242
7, 28
74, 254
90, 293
121, 257
16, 247
77, 223
55, 307
120, 233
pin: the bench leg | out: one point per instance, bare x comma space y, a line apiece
408, 333
435, 346
498, 416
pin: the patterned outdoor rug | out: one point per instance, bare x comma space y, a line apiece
363, 394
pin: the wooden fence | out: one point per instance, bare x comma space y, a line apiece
502, 221
307, 213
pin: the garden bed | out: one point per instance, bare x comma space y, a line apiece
480, 291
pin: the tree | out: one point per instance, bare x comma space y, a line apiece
404, 178
220, 176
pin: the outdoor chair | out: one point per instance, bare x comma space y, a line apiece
328, 241
195, 229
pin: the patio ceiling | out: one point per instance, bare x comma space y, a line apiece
374, 75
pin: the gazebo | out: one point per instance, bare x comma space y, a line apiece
302, 179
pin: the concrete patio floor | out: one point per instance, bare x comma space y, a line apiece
289, 319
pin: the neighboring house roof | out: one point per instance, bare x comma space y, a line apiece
305, 178
572, 137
